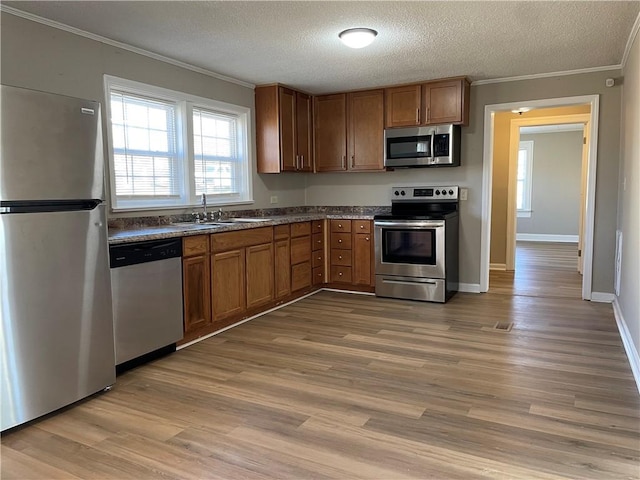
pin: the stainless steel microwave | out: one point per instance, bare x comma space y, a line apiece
434, 146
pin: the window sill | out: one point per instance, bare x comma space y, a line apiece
524, 213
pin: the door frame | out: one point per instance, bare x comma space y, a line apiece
487, 187
514, 142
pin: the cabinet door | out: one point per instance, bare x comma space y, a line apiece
304, 132
287, 104
300, 276
330, 127
366, 130
402, 105
195, 290
282, 268
362, 255
228, 283
443, 102
259, 274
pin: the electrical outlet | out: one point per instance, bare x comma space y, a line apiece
463, 194
274, 199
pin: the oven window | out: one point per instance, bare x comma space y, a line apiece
409, 147
409, 246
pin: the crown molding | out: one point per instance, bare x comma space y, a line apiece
123, 46
630, 40
604, 68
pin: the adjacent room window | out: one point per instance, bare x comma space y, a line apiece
524, 178
167, 148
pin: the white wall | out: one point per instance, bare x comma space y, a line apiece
44, 58
555, 191
629, 198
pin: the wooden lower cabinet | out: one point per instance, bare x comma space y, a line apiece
228, 284
351, 254
259, 262
282, 266
300, 256
196, 283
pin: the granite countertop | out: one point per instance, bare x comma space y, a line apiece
135, 230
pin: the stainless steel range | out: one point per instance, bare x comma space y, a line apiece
416, 246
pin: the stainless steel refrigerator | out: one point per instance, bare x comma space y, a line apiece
57, 326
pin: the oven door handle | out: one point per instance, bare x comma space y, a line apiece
409, 223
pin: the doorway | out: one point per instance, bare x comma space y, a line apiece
586, 229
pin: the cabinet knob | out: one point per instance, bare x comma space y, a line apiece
319, 274
339, 225
340, 241
339, 257
366, 238
362, 227
339, 274
319, 225
319, 258
319, 241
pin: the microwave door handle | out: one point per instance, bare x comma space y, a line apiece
433, 144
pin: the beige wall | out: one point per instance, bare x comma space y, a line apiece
555, 192
629, 206
43, 58
500, 182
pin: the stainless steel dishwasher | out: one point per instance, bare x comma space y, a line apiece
146, 282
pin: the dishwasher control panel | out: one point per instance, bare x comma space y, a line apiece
142, 252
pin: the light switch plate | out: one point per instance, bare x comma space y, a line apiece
274, 199
463, 194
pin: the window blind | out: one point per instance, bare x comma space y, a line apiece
145, 152
217, 164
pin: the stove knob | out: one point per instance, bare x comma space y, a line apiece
402, 193
396, 193
437, 192
444, 192
450, 192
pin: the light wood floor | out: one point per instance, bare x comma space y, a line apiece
349, 386
541, 270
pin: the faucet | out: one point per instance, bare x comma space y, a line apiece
204, 205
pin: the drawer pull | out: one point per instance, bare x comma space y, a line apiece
339, 257
340, 241
366, 238
339, 225
319, 258
362, 227
339, 274
319, 274
319, 241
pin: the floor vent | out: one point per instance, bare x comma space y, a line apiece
503, 326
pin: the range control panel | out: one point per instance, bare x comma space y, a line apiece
425, 194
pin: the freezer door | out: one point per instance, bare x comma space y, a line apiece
57, 326
51, 146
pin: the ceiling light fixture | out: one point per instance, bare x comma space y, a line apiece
521, 110
357, 37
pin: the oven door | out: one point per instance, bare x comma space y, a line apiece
410, 248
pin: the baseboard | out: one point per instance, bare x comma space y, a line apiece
469, 287
539, 237
357, 292
602, 297
498, 266
627, 341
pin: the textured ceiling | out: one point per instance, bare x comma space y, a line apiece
297, 42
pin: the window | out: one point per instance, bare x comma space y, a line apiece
167, 148
524, 178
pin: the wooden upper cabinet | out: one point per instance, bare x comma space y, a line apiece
402, 106
366, 130
445, 102
304, 132
330, 132
283, 130
431, 103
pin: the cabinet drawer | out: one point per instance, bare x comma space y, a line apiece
340, 225
318, 275
221, 242
317, 226
300, 250
301, 228
300, 276
317, 259
280, 232
362, 226
341, 240
340, 274
195, 245
317, 241
340, 257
